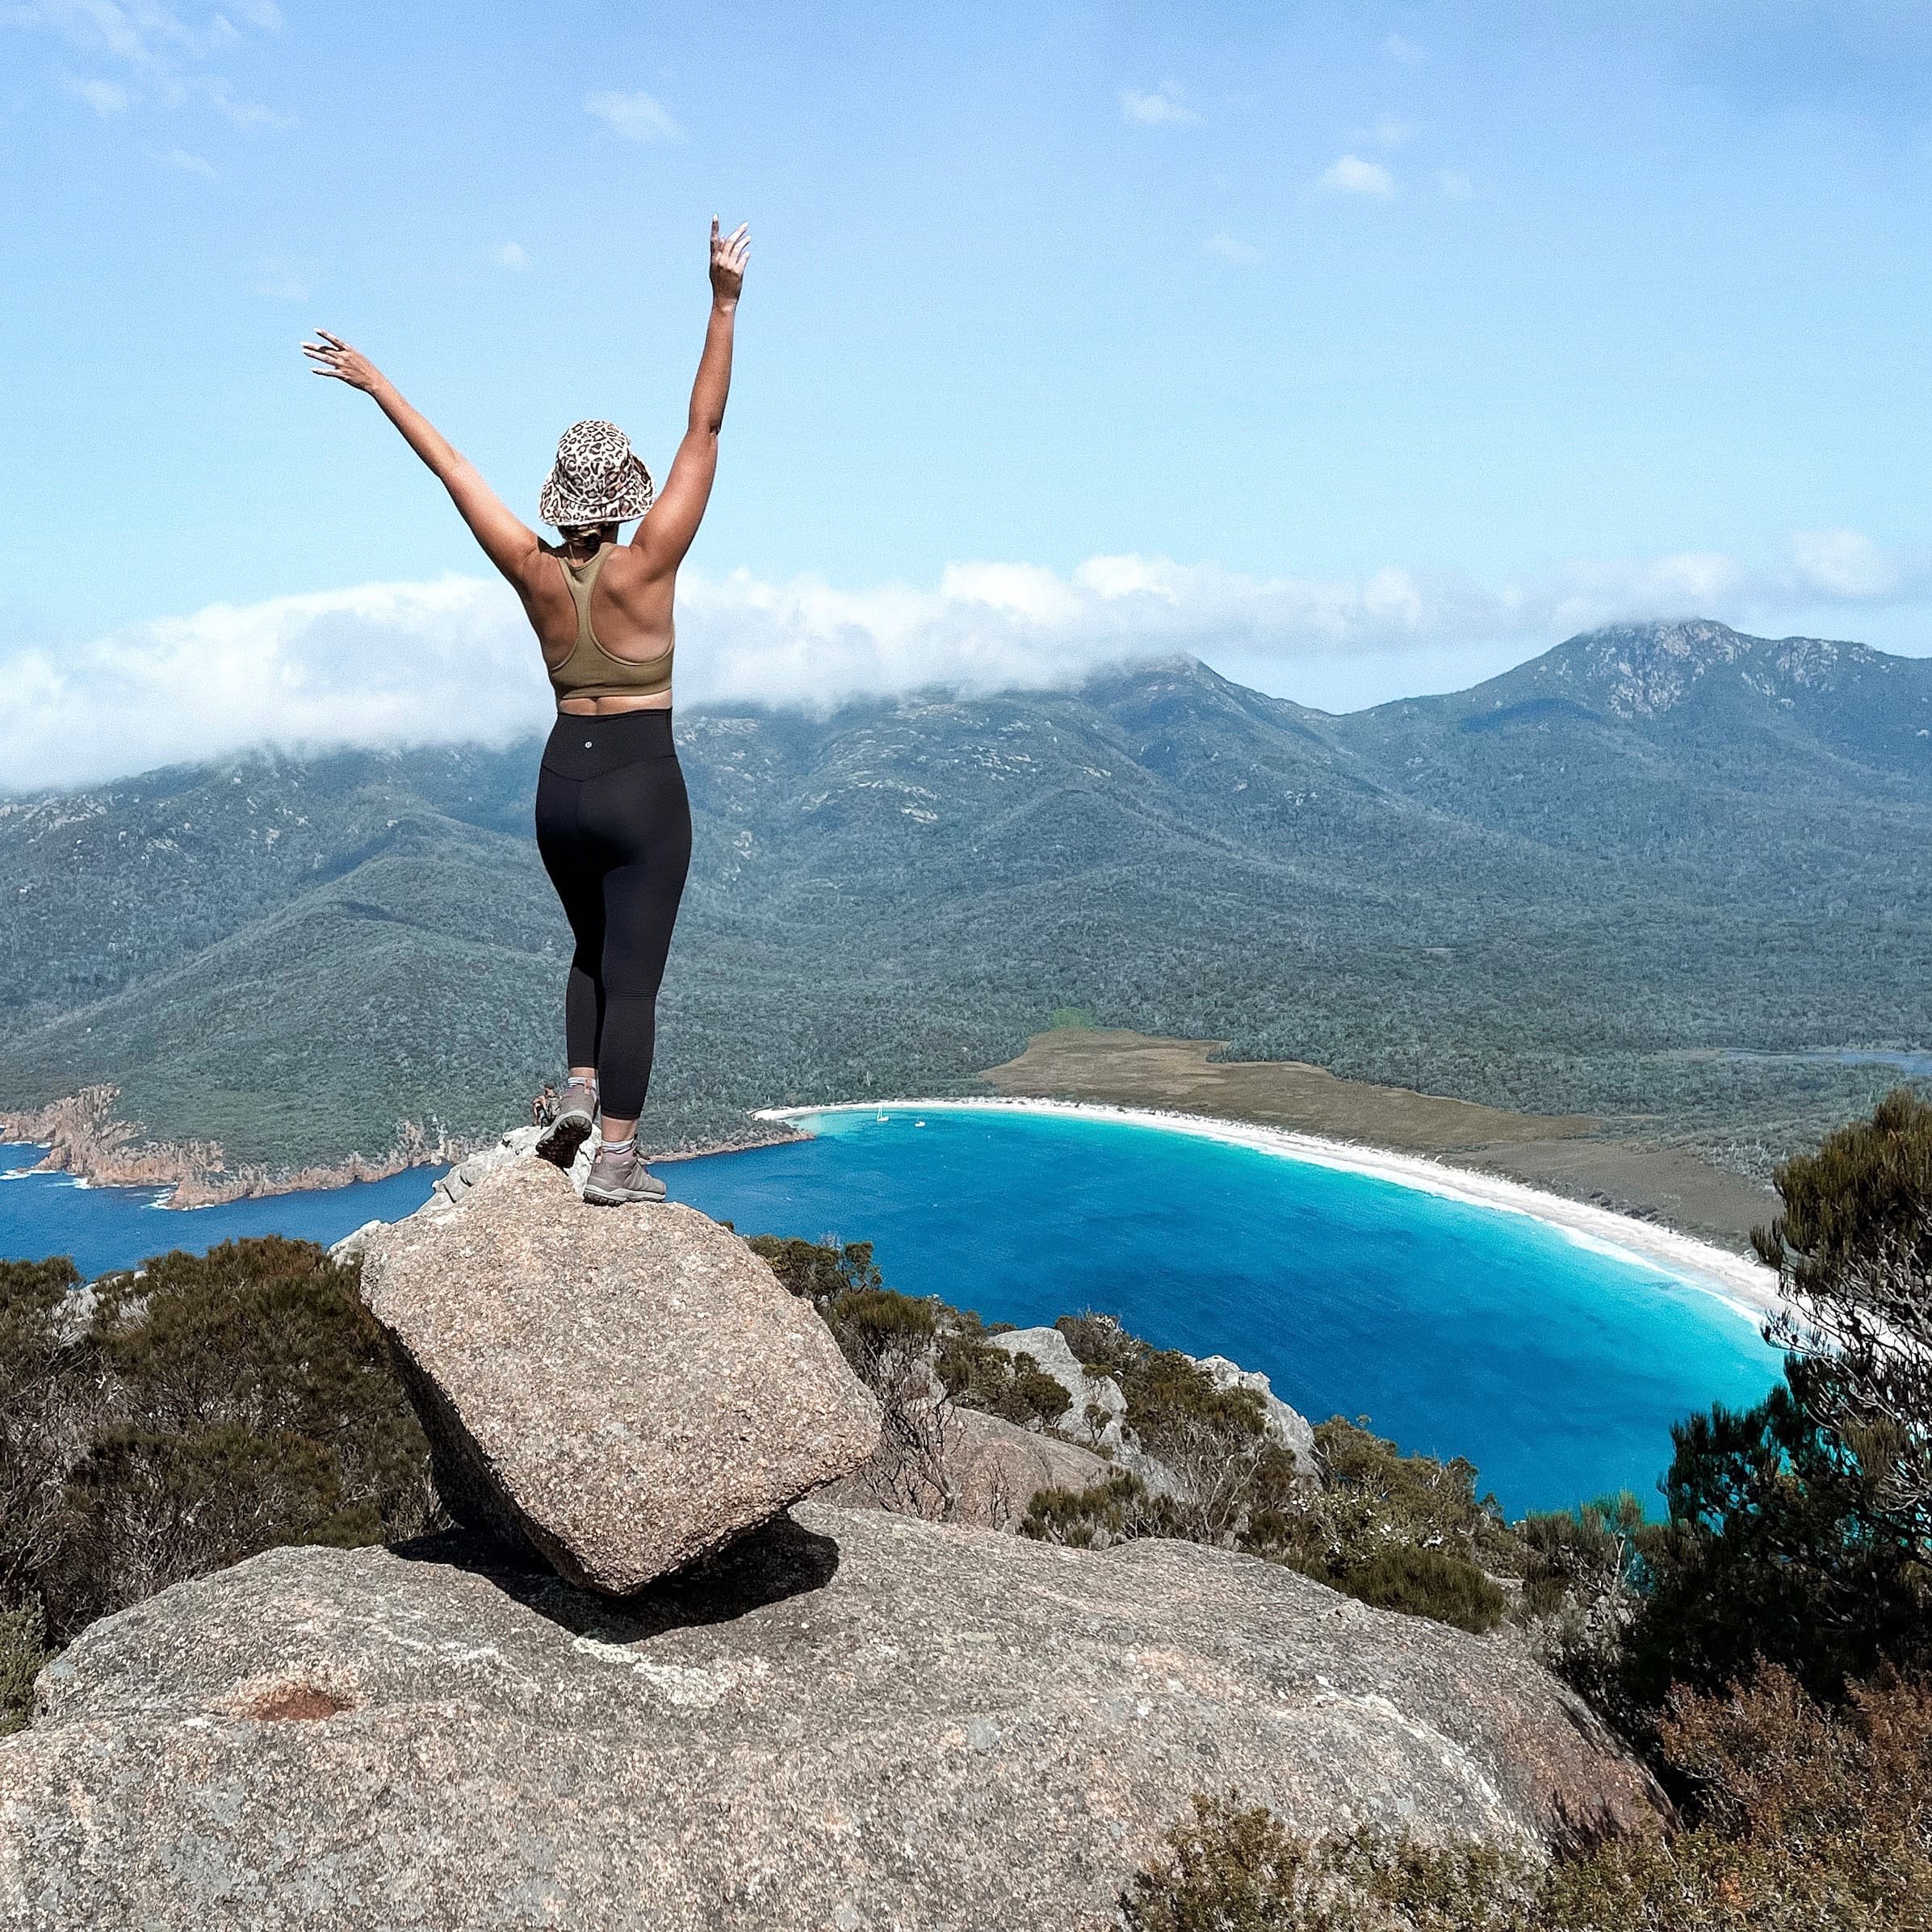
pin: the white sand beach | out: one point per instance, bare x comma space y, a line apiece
1747, 1286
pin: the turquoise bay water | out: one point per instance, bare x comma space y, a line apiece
104, 1228
1556, 1367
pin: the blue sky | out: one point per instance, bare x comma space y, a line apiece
1382, 343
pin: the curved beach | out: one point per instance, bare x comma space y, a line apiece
1746, 1285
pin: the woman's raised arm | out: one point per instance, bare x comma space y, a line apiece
666, 534
507, 541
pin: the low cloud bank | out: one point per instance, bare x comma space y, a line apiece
453, 660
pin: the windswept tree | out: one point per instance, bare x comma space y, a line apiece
1800, 1530
1853, 1249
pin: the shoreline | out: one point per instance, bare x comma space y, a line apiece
84, 1139
1747, 1286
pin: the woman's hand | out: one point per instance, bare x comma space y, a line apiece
332, 356
728, 257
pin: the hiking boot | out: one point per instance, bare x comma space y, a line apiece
616, 1178
571, 1119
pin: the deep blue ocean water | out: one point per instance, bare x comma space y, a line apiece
104, 1228
1557, 1368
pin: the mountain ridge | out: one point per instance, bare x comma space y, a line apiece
1558, 910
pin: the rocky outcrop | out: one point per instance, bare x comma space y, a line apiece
1095, 1404
85, 1137
966, 1467
624, 1389
851, 1720
1098, 1413
1287, 1426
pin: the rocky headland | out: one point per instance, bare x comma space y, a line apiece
85, 1138
655, 1680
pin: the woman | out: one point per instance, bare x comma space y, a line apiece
613, 825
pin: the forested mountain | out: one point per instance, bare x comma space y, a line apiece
1574, 888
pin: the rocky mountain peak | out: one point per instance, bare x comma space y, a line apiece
1643, 670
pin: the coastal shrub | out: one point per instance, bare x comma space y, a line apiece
1403, 1532
1594, 1553
1100, 1343
1117, 1509
23, 1651
1780, 1547
818, 1270
1428, 1582
1230, 1867
878, 1329
1011, 1385
183, 1416
49, 1398
1853, 1249
1800, 1530
1805, 1818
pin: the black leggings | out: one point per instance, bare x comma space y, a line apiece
614, 827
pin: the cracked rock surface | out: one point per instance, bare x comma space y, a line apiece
847, 1718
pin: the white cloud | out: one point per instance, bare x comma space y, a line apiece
167, 59
187, 164
1352, 175
1402, 50
1231, 248
1456, 185
639, 117
104, 97
1389, 131
1165, 109
1844, 564
513, 255
454, 660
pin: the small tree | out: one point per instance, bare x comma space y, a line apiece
1853, 1249
1800, 1530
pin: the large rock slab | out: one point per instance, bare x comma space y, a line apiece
625, 1389
851, 1720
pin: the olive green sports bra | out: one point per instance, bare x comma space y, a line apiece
589, 670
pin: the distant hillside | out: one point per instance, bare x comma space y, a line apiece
1570, 889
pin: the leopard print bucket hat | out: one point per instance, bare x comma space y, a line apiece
596, 479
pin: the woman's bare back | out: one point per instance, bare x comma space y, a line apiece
630, 606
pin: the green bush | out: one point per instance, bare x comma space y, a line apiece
1100, 1343
1777, 1548
1428, 1582
818, 1271
1117, 1509
49, 1400
1230, 1867
1807, 1819
1800, 1530
878, 1329
1594, 1551
23, 1651
209, 1407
